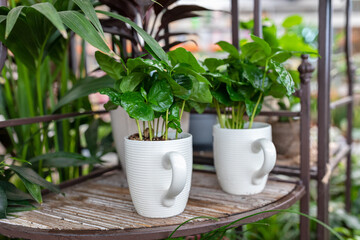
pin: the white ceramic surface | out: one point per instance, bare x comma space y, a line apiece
159, 175
243, 158
122, 126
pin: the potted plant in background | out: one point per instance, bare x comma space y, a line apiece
150, 89
243, 151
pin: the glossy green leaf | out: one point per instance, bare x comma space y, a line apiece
292, 20
186, 69
130, 82
33, 189
281, 56
256, 77
12, 193
151, 42
114, 95
63, 159
293, 42
250, 49
285, 78
49, 11
227, 47
277, 90
181, 85
109, 65
89, 11
181, 55
221, 95
200, 92
33, 177
139, 64
78, 23
3, 203
160, 96
85, 87
213, 63
11, 19
264, 45
198, 107
239, 93
250, 106
134, 104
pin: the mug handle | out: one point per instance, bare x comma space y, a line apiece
176, 162
269, 159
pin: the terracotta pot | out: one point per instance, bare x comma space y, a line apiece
159, 175
243, 158
286, 138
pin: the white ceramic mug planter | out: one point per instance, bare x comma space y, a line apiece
159, 175
243, 158
122, 126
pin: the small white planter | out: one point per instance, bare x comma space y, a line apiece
243, 158
159, 175
122, 126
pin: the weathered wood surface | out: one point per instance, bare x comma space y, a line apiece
103, 205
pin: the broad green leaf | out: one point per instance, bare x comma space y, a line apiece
250, 106
292, 20
3, 203
11, 19
135, 106
180, 84
63, 159
213, 63
130, 82
221, 95
277, 90
281, 56
89, 11
293, 42
50, 13
109, 65
181, 55
198, 107
151, 42
264, 45
143, 93
12, 193
134, 64
186, 69
200, 92
227, 47
83, 88
239, 93
114, 95
284, 78
174, 118
256, 77
160, 96
250, 48
33, 177
33, 189
81, 26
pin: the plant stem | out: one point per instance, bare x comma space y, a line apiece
150, 130
181, 113
166, 124
254, 112
233, 117
139, 130
218, 111
157, 126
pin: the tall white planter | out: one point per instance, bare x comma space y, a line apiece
243, 158
122, 126
159, 175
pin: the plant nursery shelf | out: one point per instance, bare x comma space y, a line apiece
100, 207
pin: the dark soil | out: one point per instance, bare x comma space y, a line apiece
136, 137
